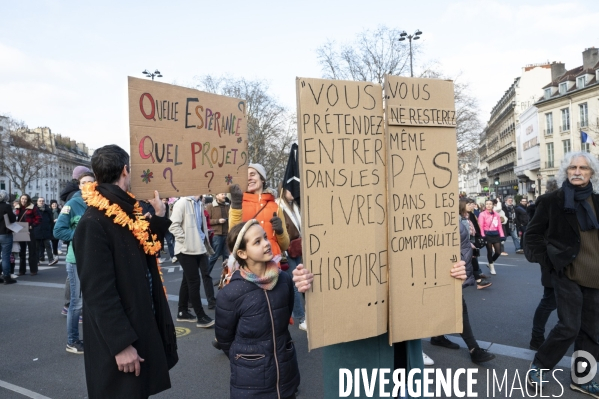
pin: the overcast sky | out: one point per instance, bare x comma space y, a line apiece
64, 64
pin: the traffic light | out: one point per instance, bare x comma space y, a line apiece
497, 181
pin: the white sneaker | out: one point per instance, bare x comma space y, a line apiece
303, 326
427, 360
59, 252
14, 276
174, 259
492, 268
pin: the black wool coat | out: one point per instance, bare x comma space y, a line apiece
252, 329
119, 308
552, 235
43, 231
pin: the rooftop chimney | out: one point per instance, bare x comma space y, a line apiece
557, 70
590, 58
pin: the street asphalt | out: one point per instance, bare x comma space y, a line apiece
35, 364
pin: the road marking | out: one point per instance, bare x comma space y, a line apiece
22, 391
181, 331
497, 264
40, 284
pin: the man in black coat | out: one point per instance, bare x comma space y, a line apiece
43, 232
563, 237
522, 219
130, 342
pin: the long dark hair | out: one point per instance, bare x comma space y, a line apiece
28, 199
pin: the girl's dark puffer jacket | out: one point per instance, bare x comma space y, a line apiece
250, 324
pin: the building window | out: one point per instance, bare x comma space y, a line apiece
565, 119
584, 115
586, 147
549, 123
567, 148
547, 93
2, 185
581, 82
550, 155
563, 87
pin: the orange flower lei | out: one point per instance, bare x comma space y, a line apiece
139, 226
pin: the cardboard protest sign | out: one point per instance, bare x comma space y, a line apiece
344, 219
423, 220
184, 141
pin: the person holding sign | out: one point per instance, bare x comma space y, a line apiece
406, 355
27, 212
252, 314
492, 230
258, 202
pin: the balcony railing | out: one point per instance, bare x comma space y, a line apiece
548, 132
564, 128
584, 123
549, 164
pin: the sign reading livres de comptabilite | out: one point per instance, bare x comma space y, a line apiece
344, 219
184, 141
422, 195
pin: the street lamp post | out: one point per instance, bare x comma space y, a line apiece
151, 75
415, 36
539, 178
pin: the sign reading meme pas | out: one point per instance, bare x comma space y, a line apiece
342, 164
423, 221
184, 141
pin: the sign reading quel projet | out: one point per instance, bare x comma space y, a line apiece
344, 218
422, 195
184, 141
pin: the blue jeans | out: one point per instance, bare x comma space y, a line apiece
75, 305
298, 305
170, 242
514, 235
6, 247
219, 244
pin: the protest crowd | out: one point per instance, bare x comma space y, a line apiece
256, 235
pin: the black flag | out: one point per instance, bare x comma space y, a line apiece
291, 180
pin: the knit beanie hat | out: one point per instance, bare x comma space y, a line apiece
78, 171
259, 168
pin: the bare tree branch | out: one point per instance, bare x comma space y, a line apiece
376, 53
23, 154
372, 55
271, 127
